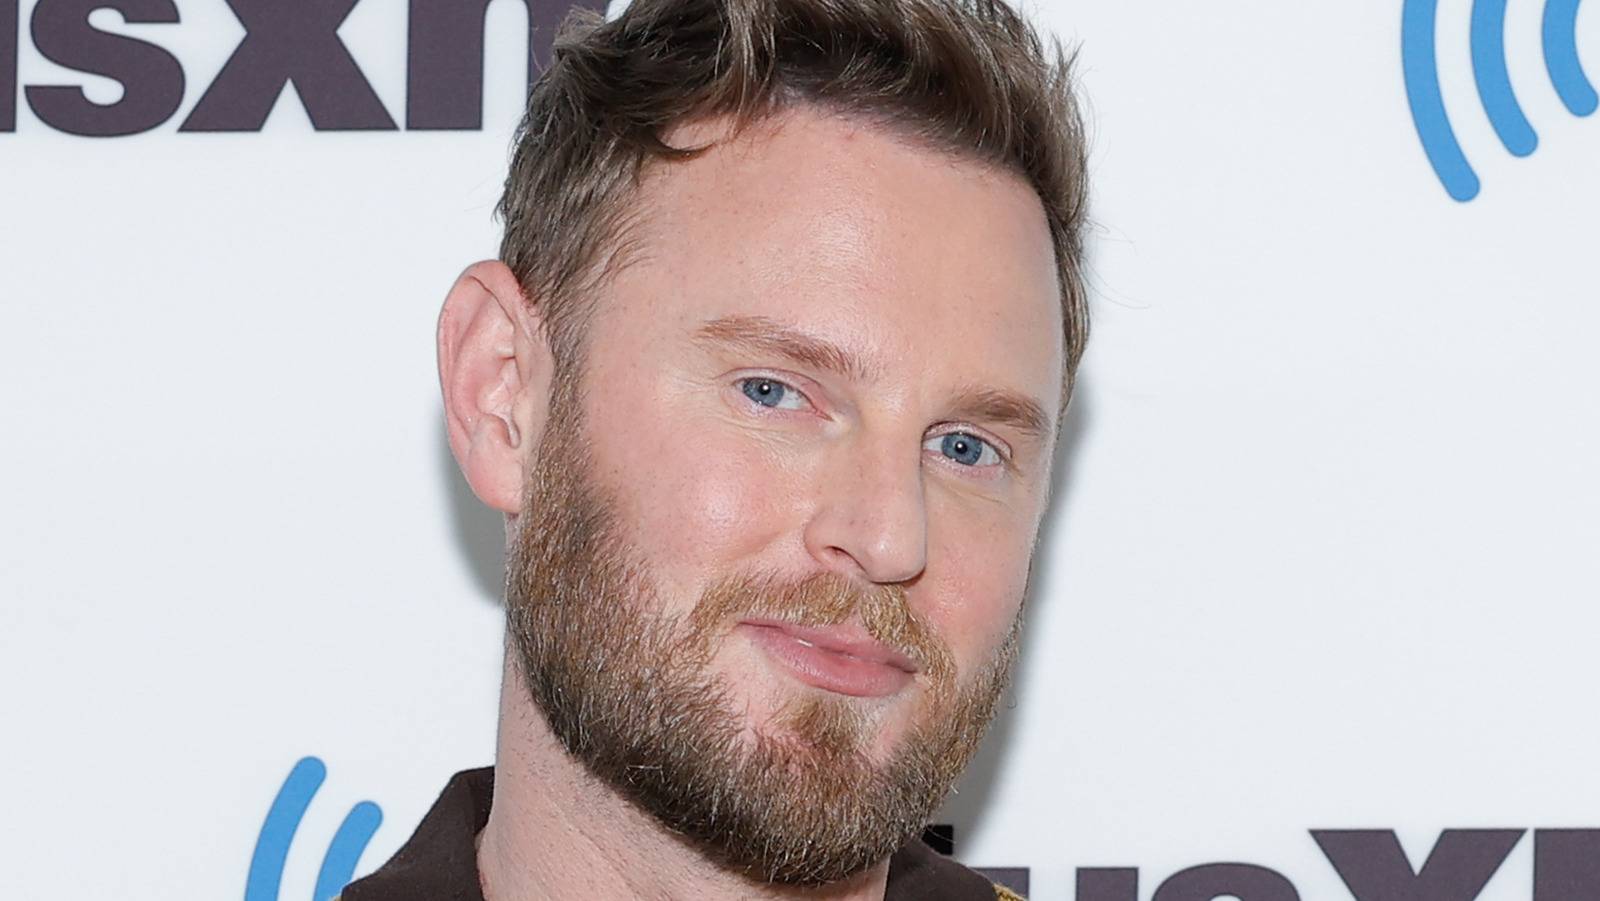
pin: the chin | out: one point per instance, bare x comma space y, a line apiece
811, 719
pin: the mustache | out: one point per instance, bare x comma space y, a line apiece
828, 599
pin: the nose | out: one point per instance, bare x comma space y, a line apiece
871, 520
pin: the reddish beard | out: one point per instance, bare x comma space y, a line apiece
629, 694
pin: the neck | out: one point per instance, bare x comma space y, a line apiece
556, 832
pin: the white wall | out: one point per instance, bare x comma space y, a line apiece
1325, 552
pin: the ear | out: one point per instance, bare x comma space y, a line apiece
495, 367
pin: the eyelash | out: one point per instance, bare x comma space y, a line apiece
757, 387
989, 452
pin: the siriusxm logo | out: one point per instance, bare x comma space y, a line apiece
283, 820
1558, 32
1373, 866
285, 42
1370, 862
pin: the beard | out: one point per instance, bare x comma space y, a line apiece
629, 693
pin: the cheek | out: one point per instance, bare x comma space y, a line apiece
977, 577
717, 506
691, 495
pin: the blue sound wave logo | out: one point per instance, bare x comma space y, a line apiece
1559, 33
283, 820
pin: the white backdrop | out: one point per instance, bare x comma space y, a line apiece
1324, 556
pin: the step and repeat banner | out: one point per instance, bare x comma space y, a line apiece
1316, 615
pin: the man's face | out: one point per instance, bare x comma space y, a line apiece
776, 542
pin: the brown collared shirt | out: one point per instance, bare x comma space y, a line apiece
440, 860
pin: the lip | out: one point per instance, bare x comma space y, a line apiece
842, 659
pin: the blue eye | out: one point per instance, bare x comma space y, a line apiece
772, 393
968, 450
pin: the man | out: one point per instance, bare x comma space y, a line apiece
767, 384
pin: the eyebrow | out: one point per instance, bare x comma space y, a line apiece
989, 405
763, 335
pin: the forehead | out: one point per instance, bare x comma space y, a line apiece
911, 257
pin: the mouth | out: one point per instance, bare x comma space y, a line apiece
843, 659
